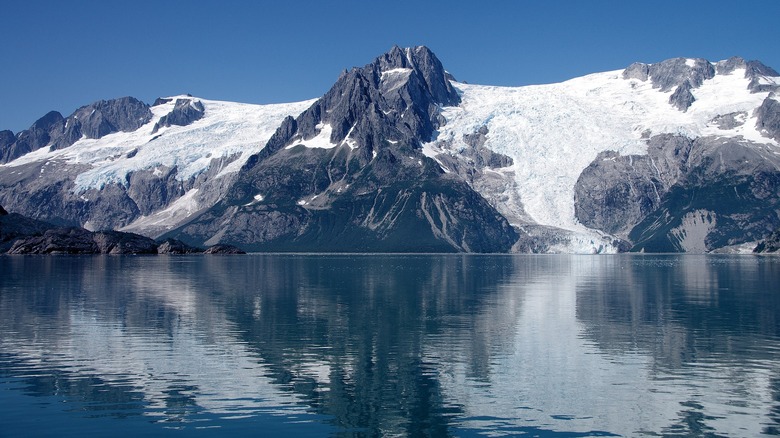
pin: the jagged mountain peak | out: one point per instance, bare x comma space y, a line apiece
365, 107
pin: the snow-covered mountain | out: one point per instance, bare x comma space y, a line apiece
147, 180
680, 155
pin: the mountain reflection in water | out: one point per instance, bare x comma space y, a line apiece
391, 344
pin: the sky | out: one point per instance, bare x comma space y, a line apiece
60, 55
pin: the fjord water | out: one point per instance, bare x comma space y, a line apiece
399, 345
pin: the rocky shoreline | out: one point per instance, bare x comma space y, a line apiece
23, 235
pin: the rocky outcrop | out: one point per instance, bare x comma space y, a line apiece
56, 241
7, 138
684, 195
769, 245
223, 249
348, 174
22, 235
682, 98
14, 226
614, 193
679, 74
672, 73
768, 115
173, 246
73, 240
117, 242
185, 111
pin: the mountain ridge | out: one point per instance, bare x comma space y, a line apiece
398, 146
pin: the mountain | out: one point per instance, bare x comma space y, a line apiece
680, 155
348, 174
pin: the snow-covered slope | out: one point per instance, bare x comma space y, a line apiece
553, 132
184, 167
226, 130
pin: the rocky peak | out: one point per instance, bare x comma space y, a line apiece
185, 111
6, 139
92, 121
672, 73
104, 117
393, 100
424, 63
40, 134
768, 117
678, 74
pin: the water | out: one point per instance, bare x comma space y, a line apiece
390, 345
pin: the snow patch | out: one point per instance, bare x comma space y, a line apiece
319, 141
396, 72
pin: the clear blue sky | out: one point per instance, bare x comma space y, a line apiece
59, 55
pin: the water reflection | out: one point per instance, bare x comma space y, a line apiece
396, 345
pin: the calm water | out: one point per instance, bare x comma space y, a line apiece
376, 345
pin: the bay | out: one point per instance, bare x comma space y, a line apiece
390, 345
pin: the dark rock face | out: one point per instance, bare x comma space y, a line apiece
13, 226
682, 98
116, 242
675, 72
770, 244
684, 195
2, 211
614, 192
185, 111
57, 241
373, 189
768, 115
7, 138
